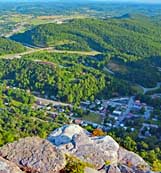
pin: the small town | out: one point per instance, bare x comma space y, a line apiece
120, 112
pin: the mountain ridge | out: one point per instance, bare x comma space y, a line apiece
126, 37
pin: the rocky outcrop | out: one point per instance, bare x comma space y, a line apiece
130, 158
8, 167
34, 155
96, 150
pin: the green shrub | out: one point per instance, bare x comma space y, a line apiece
74, 165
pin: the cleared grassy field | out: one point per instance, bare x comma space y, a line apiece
28, 21
93, 117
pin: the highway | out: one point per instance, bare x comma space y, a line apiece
48, 49
145, 90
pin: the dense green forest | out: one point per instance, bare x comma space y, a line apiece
17, 116
143, 72
67, 82
66, 77
8, 47
113, 86
129, 38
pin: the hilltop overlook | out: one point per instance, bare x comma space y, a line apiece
100, 153
80, 87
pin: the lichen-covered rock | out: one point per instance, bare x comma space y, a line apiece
8, 167
131, 159
74, 139
96, 150
35, 154
65, 134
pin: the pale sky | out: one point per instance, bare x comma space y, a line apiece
139, 1
145, 1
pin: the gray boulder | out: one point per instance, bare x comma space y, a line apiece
95, 150
34, 154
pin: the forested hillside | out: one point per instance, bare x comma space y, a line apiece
8, 46
143, 72
19, 118
66, 82
131, 38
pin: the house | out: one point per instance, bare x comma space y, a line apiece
114, 104
116, 118
98, 102
48, 108
101, 108
61, 110
84, 124
71, 114
125, 128
138, 102
94, 125
108, 124
154, 119
103, 111
132, 129
86, 102
78, 121
121, 125
117, 113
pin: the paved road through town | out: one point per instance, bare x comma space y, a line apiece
127, 111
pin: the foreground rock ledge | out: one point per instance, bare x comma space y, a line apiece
75, 140
35, 154
8, 167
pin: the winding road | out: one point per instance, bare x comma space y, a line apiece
145, 90
31, 50
48, 49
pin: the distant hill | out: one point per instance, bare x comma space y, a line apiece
125, 16
138, 37
9, 46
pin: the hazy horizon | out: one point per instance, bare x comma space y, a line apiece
110, 1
